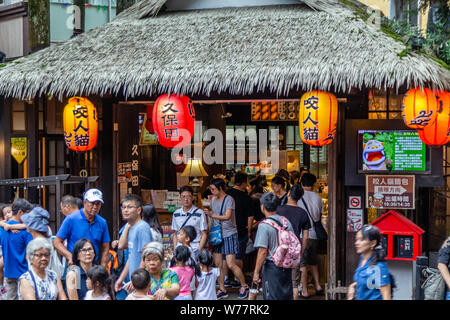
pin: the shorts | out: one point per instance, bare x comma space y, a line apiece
229, 245
242, 247
276, 282
309, 257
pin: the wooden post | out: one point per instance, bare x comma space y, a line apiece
5, 147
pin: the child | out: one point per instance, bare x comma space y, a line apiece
185, 237
141, 283
6, 215
206, 277
183, 264
100, 284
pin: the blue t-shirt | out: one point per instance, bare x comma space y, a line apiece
138, 236
76, 226
14, 251
369, 279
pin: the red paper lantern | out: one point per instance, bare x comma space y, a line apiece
438, 133
419, 108
173, 120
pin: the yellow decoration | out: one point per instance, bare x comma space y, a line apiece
19, 149
318, 117
80, 124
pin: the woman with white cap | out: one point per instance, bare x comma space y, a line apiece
40, 283
164, 282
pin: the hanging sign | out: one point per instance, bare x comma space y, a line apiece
19, 149
390, 191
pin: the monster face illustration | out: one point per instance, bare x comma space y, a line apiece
374, 155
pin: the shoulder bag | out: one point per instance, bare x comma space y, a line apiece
215, 233
317, 225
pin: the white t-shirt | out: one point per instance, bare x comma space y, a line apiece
315, 209
206, 289
197, 220
89, 296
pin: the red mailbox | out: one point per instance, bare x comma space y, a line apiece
401, 238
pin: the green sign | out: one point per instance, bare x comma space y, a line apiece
392, 150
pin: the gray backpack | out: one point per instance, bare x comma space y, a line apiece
434, 286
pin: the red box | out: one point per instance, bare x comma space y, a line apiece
399, 231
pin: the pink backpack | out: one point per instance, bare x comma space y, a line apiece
288, 253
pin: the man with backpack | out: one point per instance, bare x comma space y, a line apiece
279, 250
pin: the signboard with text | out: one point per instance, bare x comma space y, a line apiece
390, 191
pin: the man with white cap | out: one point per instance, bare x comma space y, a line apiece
85, 223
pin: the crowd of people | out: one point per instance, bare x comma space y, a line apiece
81, 262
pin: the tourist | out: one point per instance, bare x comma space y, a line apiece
150, 216
278, 185
183, 265
141, 282
85, 223
312, 203
14, 249
164, 282
99, 284
83, 260
136, 235
222, 212
276, 281
68, 205
443, 265
206, 277
372, 280
39, 282
190, 215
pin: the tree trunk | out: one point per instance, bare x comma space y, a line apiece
39, 24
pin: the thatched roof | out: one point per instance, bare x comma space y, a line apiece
234, 50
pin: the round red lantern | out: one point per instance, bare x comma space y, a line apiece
419, 108
318, 118
173, 120
438, 133
80, 124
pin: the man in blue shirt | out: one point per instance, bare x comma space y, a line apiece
85, 223
137, 233
14, 249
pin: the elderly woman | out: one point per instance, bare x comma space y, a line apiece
164, 282
36, 222
40, 283
83, 256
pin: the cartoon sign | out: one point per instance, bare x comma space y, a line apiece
390, 191
354, 220
19, 149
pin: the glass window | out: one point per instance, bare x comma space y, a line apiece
385, 104
18, 116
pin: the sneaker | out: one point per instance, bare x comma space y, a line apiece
235, 284
243, 292
227, 283
222, 295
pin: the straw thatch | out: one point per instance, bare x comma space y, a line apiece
233, 50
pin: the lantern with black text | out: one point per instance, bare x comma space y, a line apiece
80, 124
173, 120
438, 133
318, 118
419, 108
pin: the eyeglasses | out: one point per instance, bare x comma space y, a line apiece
87, 250
127, 207
43, 255
186, 197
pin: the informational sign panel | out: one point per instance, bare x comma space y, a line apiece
399, 150
354, 220
390, 191
19, 149
354, 202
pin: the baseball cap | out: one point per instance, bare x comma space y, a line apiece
93, 195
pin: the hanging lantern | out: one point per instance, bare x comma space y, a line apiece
318, 117
80, 124
438, 133
419, 108
148, 122
173, 120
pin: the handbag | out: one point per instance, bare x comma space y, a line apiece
317, 225
434, 286
215, 233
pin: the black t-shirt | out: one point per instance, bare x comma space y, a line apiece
297, 216
243, 209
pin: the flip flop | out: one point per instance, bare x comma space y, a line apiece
302, 296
